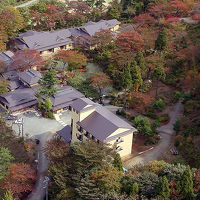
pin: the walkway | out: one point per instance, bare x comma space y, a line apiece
39, 191
166, 133
26, 4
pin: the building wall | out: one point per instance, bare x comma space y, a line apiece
83, 115
75, 117
126, 145
115, 28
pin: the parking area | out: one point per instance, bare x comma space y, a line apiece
34, 124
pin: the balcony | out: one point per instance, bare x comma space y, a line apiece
118, 148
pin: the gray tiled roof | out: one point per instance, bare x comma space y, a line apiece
46, 40
101, 123
30, 76
64, 97
6, 56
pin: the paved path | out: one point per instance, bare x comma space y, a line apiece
166, 133
26, 4
39, 192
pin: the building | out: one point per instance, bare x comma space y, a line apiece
6, 57
45, 42
91, 120
82, 35
23, 87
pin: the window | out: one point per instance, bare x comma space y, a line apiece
93, 138
79, 137
118, 148
119, 140
70, 108
87, 134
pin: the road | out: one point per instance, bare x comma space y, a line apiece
39, 192
26, 4
166, 133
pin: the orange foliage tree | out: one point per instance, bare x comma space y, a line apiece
27, 59
20, 179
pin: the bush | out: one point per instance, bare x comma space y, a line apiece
163, 118
156, 124
177, 126
159, 104
145, 86
177, 96
150, 112
121, 112
49, 115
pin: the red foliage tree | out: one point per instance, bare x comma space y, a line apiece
27, 59
178, 8
129, 41
78, 7
20, 179
145, 18
159, 11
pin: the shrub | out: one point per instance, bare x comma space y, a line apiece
49, 115
156, 124
159, 104
145, 86
177, 126
156, 166
163, 118
150, 112
177, 96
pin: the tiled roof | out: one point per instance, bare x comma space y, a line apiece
30, 76
6, 56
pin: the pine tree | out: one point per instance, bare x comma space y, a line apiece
127, 81
141, 62
136, 76
163, 189
135, 189
87, 189
186, 184
8, 195
117, 163
48, 83
5, 159
161, 42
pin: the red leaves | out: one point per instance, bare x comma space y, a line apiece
20, 178
129, 41
26, 59
144, 18
179, 8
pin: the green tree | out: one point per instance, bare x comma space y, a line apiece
163, 189
161, 42
136, 76
118, 162
135, 189
48, 104
186, 184
48, 83
113, 12
126, 81
158, 74
141, 62
3, 86
5, 159
8, 195
143, 125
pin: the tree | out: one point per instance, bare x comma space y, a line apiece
48, 83
143, 125
12, 21
48, 104
3, 38
74, 59
161, 42
141, 62
126, 81
113, 12
163, 189
136, 75
21, 178
158, 74
179, 8
99, 81
135, 189
129, 41
8, 195
107, 179
27, 59
3, 86
186, 184
5, 159
117, 163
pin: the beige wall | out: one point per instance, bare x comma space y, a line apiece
69, 46
115, 28
56, 49
126, 145
83, 115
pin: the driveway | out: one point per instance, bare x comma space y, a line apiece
26, 4
166, 133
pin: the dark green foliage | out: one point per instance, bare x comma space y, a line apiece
161, 42
186, 184
48, 83
148, 183
126, 78
159, 104
127, 185
141, 62
163, 188
118, 162
163, 118
135, 189
177, 126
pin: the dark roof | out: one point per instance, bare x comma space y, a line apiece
92, 27
19, 98
101, 123
30, 76
65, 134
45, 40
64, 97
14, 84
10, 75
6, 56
